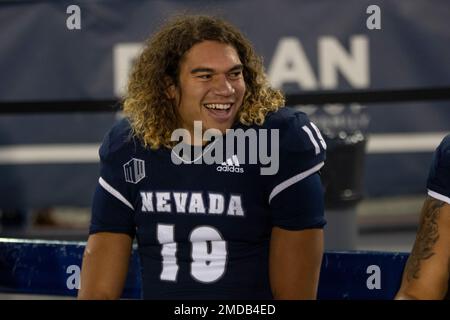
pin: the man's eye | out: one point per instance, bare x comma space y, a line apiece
235, 74
204, 76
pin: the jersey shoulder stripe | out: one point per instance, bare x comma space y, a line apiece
297, 133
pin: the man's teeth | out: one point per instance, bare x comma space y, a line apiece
218, 106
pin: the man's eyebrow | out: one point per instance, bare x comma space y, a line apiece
201, 69
237, 67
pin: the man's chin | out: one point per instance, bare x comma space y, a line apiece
222, 128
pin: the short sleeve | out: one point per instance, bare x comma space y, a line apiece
300, 206
295, 192
438, 183
112, 208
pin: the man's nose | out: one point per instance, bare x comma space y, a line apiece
223, 86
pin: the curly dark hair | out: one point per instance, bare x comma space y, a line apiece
152, 113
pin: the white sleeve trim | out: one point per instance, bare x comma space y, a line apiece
438, 196
289, 182
114, 192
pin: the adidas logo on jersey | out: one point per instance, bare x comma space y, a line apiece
231, 165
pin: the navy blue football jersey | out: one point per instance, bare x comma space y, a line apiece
203, 230
438, 183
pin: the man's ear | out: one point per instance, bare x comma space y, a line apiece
171, 89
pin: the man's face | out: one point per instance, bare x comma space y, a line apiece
211, 87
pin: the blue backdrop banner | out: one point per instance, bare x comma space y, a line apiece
83, 50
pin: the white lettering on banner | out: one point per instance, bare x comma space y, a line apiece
291, 65
124, 55
353, 66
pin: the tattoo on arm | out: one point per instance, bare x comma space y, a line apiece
427, 236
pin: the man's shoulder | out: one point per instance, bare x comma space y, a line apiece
119, 139
285, 118
442, 154
296, 132
445, 146
439, 175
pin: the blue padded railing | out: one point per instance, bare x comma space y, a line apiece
53, 268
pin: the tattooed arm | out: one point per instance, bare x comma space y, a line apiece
426, 273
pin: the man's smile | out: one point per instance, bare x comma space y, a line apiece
220, 112
218, 106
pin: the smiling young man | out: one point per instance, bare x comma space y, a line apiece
212, 84
205, 231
